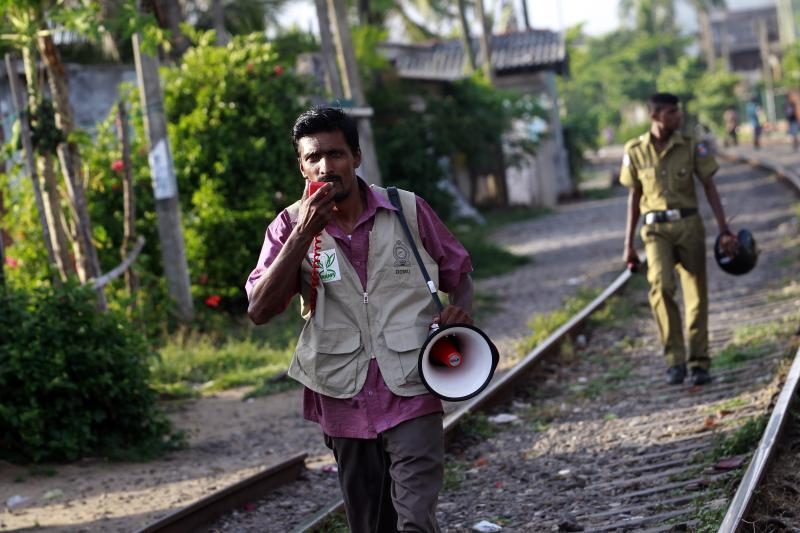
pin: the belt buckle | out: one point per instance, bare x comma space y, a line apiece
673, 214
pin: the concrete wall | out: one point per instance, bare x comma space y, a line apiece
542, 179
94, 90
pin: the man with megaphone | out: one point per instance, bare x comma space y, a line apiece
368, 312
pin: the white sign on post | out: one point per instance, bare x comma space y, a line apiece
164, 185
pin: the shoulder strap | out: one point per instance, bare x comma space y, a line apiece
394, 197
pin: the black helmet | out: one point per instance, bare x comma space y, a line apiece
743, 260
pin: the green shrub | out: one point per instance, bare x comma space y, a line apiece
73, 381
230, 111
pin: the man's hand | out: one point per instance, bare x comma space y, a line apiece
452, 315
315, 210
728, 243
630, 257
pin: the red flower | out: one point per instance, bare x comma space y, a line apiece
249, 67
203, 279
11, 262
278, 70
213, 300
117, 165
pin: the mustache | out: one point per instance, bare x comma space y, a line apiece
332, 178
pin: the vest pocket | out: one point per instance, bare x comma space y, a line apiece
404, 345
327, 356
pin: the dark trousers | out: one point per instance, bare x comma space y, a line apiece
392, 483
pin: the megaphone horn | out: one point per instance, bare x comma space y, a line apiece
457, 362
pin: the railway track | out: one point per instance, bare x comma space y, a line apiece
657, 457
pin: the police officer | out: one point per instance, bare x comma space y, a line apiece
658, 168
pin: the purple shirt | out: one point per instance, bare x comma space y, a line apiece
375, 408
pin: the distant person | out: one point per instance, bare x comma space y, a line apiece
752, 111
357, 354
658, 167
730, 118
790, 111
608, 135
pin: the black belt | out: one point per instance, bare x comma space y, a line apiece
670, 215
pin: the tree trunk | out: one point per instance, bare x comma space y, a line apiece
18, 101
70, 159
108, 12
466, 40
169, 15
128, 198
485, 43
218, 15
50, 193
525, 19
706, 38
55, 217
363, 12
332, 77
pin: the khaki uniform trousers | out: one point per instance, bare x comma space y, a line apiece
670, 246
392, 483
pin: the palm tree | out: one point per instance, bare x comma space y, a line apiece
650, 16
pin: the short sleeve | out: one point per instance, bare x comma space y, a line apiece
627, 173
450, 255
276, 236
705, 164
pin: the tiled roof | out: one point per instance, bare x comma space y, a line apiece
511, 53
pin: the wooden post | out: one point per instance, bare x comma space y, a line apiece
165, 187
69, 157
352, 89
128, 197
30, 163
49, 182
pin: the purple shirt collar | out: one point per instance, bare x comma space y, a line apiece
374, 201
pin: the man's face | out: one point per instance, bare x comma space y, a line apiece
326, 156
668, 117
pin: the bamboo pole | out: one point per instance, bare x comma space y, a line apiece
20, 108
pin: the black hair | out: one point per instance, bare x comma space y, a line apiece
319, 119
658, 101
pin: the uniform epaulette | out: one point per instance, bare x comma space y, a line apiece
632, 143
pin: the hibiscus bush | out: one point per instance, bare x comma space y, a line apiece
230, 112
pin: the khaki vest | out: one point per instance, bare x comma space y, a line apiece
389, 321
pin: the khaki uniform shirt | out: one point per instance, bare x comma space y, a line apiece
666, 178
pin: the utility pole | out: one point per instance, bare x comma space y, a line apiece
352, 90
165, 186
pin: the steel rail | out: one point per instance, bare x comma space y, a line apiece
740, 504
206, 510
789, 176
502, 385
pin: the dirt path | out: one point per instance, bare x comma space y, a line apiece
578, 246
